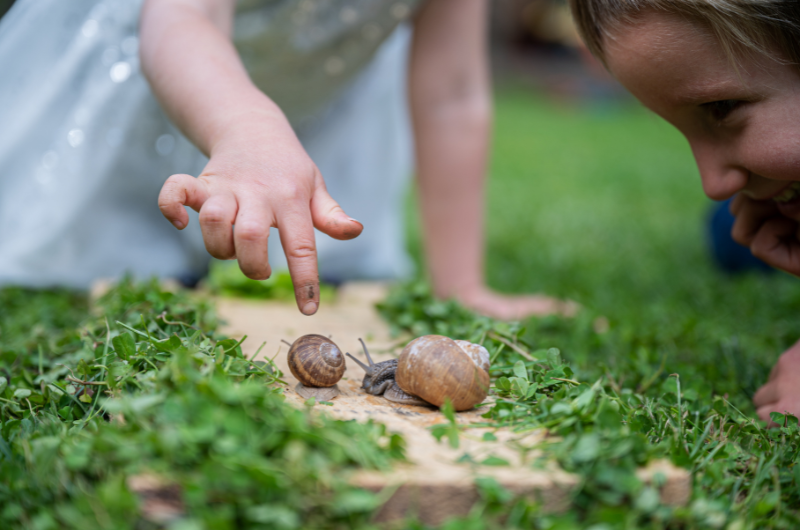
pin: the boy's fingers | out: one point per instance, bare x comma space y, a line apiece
777, 244
250, 235
765, 395
763, 413
179, 191
736, 204
299, 245
216, 222
329, 217
750, 215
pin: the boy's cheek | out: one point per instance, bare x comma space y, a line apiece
771, 151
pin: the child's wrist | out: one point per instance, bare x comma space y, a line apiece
246, 122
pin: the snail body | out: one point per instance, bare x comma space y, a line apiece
437, 368
318, 364
379, 380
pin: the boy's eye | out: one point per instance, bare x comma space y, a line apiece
719, 110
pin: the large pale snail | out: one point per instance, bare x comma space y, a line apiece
318, 364
430, 370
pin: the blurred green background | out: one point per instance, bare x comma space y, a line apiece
601, 202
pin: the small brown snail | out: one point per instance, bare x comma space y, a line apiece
379, 380
318, 364
436, 368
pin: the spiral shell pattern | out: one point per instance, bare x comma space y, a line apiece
316, 361
437, 368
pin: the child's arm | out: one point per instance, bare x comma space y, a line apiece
450, 100
771, 236
258, 174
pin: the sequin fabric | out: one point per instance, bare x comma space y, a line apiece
85, 148
305, 52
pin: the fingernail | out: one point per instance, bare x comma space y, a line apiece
178, 225
355, 220
310, 308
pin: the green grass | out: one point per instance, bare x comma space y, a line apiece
145, 387
603, 204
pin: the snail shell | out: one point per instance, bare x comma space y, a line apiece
318, 364
379, 380
436, 368
476, 352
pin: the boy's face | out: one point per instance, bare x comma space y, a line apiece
743, 123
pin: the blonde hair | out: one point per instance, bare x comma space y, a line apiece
762, 26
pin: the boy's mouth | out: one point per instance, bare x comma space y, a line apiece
788, 195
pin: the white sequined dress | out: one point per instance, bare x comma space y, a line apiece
85, 148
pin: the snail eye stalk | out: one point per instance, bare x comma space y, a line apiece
366, 351
366, 368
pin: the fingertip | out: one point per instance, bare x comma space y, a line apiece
258, 273
762, 412
265, 275
766, 395
306, 295
735, 204
178, 191
309, 308
329, 218
343, 228
739, 233
355, 229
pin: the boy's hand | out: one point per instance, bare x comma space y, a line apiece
258, 177
782, 391
770, 235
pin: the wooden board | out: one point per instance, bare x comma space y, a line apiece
433, 485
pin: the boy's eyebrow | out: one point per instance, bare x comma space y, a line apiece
711, 91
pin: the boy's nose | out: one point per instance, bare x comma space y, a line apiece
721, 179
723, 183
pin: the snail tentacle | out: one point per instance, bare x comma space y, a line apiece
366, 368
366, 351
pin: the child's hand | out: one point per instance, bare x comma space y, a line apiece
259, 176
770, 235
782, 391
486, 302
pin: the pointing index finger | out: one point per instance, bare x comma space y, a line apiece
297, 238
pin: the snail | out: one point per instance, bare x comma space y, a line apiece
437, 368
379, 380
430, 370
318, 364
